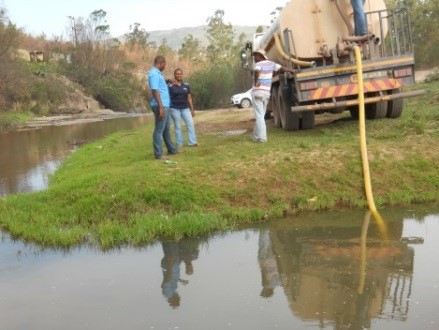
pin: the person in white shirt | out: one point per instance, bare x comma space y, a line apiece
262, 74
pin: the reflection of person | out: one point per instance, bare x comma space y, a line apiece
160, 104
262, 73
174, 253
182, 107
268, 264
171, 273
359, 19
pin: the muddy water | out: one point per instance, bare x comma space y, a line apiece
28, 157
330, 271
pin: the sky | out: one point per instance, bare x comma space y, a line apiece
51, 16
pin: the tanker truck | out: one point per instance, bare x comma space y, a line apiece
316, 38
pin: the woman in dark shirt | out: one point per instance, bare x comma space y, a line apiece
182, 108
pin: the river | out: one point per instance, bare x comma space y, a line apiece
329, 270
29, 156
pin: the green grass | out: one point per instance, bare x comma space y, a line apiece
8, 119
112, 192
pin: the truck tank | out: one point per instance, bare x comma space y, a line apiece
316, 26
316, 37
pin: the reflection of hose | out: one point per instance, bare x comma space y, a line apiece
364, 158
363, 240
285, 56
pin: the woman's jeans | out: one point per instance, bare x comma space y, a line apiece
162, 132
359, 20
260, 102
177, 116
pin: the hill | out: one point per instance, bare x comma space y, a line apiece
175, 37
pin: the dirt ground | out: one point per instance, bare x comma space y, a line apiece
220, 121
226, 121
84, 117
420, 75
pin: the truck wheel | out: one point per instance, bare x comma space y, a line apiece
376, 110
275, 108
308, 119
290, 121
353, 109
394, 107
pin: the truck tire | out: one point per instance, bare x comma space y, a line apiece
376, 110
354, 111
290, 121
394, 107
308, 119
275, 107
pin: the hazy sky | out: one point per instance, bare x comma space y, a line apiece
50, 16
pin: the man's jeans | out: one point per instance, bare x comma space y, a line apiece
359, 20
162, 133
260, 102
185, 114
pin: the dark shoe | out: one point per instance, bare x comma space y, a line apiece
259, 140
162, 157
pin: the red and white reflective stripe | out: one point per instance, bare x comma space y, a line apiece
374, 85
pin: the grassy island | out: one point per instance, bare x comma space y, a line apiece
113, 192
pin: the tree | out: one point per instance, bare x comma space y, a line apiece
259, 29
424, 16
8, 35
10, 70
92, 48
164, 49
190, 48
137, 36
100, 66
220, 38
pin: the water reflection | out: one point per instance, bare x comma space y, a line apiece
333, 270
338, 275
28, 157
176, 253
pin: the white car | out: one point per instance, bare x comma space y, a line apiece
242, 100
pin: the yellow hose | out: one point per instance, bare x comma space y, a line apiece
364, 158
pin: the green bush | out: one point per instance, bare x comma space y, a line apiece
212, 88
46, 94
433, 75
119, 91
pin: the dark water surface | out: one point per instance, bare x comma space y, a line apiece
28, 157
331, 270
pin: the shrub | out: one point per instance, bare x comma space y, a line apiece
119, 91
433, 75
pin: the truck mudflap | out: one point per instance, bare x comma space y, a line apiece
347, 103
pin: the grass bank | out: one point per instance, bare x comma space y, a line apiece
8, 119
112, 192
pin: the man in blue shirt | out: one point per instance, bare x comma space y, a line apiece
160, 104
